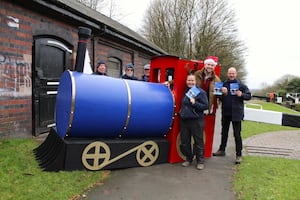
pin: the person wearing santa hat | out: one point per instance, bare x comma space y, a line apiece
206, 78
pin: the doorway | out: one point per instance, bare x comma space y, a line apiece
51, 58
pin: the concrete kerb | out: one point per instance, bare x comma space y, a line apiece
275, 144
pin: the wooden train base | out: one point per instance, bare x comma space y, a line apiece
68, 154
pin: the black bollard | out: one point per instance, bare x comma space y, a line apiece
83, 35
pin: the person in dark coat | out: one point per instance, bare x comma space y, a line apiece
100, 68
129, 72
146, 74
192, 122
233, 95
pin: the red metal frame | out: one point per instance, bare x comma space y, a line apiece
167, 66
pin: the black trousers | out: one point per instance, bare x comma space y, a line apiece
188, 129
237, 127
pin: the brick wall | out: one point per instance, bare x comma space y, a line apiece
15, 72
18, 28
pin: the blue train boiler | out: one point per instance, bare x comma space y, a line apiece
93, 106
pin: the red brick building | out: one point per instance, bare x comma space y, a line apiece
38, 41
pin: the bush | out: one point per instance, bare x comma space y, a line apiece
297, 107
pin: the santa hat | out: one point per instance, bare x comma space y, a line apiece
212, 60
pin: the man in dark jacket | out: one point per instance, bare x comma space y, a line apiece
129, 72
146, 75
101, 68
233, 95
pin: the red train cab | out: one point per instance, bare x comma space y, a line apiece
172, 69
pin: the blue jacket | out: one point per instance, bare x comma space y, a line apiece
190, 111
232, 105
144, 78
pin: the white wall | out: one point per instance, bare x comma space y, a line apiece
265, 116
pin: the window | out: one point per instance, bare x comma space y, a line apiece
114, 67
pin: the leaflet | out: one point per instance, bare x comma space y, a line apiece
234, 87
193, 92
218, 88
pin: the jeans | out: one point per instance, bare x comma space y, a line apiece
237, 126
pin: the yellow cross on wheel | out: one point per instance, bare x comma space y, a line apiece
95, 155
147, 154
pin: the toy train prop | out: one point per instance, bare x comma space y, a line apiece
110, 123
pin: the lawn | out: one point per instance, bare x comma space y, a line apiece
256, 178
22, 178
265, 177
269, 106
251, 128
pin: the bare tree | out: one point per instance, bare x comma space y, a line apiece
166, 25
195, 29
106, 7
217, 35
191, 22
94, 4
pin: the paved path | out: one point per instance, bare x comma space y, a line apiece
277, 144
171, 181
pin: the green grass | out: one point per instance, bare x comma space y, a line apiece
250, 128
256, 178
270, 106
21, 177
260, 177
268, 178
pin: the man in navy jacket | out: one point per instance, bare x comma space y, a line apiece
233, 95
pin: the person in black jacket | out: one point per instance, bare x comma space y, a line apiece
233, 95
194, 102
100, 68
146, 74
129, 72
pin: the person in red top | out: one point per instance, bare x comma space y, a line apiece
206, 78
271, 96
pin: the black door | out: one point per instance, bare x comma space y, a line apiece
51, 58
